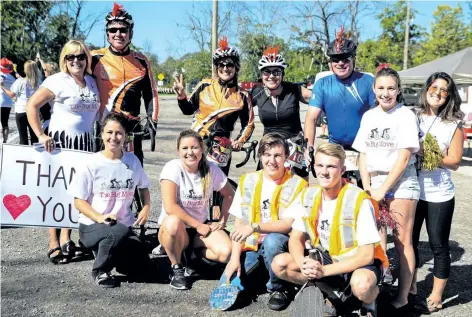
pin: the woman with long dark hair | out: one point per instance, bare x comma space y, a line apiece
187, 186
440, 116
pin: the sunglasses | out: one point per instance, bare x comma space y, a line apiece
71, 58
114, 30
337, 60
274, 72
434, 90
227, 65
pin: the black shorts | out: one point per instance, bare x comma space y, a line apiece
5, 116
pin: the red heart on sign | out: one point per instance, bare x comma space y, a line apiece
16, 205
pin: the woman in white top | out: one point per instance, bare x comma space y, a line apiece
6, 80
73, 96
187, 185
439, 115
22, 89
104, 189
387, 140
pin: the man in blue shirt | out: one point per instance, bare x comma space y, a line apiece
344, 95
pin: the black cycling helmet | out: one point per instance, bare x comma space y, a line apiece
224, 50
118, 14
342, 46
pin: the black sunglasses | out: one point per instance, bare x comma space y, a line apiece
114, 30
344, 60
227, 65
71, 57
274, 72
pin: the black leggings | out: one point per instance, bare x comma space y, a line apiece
438, 218
23, 127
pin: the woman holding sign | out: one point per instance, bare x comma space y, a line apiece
103, 191
73, 96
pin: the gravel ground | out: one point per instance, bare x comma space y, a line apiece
32, 286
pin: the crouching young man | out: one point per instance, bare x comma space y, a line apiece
339, 219
261, 227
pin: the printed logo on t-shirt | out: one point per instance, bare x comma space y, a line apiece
192, 200
265, 210
324, 231
380, 139
117, 189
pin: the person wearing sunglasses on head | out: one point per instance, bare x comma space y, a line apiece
73, 96
217, 103
124, 76
279, 101
344, 95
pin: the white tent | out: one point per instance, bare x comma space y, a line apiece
458, 65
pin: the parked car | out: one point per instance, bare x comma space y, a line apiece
410, 96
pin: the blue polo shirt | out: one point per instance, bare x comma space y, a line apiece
344, 101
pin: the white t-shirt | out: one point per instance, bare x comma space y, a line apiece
74, 109
109, 185
382, 134
23, 92
8, 81
190, 190
366, 233
267, 191
437, 185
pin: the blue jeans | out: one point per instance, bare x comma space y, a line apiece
272, 245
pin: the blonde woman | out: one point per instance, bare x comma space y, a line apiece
73, 96
187, 184
22, 89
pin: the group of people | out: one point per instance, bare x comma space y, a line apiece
278, 217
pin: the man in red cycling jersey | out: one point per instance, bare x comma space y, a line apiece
124, 76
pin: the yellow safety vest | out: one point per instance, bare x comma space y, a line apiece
342, 239
250, 186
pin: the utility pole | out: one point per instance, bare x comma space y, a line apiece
214, 34
407, 36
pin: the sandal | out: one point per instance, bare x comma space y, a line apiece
433, 306
58, 258
69, 249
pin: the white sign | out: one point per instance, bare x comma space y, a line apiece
34, 186
160, 83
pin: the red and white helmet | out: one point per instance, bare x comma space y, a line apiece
224, 50
272, 57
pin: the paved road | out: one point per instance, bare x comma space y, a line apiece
32, 286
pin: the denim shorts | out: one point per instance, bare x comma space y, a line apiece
407, 187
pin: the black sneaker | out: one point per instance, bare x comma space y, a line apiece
177, 278
278, 300
190, 271
105, 280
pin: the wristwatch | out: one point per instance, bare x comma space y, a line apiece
255, 227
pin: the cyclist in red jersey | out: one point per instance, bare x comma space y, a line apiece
124, 76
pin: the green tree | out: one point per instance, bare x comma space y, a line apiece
449, 34
197, 66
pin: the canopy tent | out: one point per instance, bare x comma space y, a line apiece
458, 65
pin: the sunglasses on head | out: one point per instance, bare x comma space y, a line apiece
438, 91
227, 65
337, 60
275, 72
114, 30
71, 57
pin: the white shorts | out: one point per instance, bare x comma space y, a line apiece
407, 187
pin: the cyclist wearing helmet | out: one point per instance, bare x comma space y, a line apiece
217, 103
124, 76
345, 95
278, 101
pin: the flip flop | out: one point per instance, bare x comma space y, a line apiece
224, 297
58, 258
309, 302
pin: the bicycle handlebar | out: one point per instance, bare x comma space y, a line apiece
248, 150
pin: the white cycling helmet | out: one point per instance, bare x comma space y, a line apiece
224, 50
272, 57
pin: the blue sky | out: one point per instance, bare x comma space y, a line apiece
156, 22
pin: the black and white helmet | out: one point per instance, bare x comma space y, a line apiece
224, 50
272, 58
118, 14
342, 46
